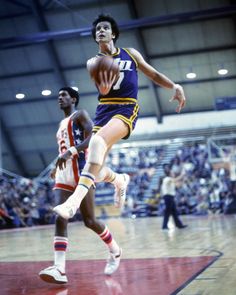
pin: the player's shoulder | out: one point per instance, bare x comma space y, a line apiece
80, 113
81, 116
167, 179
134, 54
74, 115
131, 50
83, 112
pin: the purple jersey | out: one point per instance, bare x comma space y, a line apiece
121, 101
126, 87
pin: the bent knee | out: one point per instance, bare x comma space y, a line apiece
90, 222
97, 150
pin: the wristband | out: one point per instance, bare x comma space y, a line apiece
73, 150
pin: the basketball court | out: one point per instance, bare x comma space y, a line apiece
45, 45
197, 260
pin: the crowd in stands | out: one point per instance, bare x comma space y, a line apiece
205, 189
24, 203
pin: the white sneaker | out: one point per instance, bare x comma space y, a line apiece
52, 274
65, 210
113, 263
120, 191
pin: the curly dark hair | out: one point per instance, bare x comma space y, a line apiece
106, 18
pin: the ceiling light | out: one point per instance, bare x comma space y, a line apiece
222, 72
20, 95
46, 92
191, 75
75, 88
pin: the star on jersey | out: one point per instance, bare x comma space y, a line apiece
77, 138
77, 141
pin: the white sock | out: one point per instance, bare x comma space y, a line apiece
77, 197
85, 182
60, 246
60, 260
113, 247
106, 236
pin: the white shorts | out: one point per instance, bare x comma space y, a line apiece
68, 178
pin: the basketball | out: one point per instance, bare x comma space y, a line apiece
103, 63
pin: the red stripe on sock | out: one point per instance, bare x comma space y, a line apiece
60, 246
108, 239
104, 234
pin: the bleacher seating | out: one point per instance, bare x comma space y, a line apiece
206, 188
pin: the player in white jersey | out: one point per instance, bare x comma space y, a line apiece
67, 178
73, 138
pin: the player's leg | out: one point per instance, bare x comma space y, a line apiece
176, 217
120, 182
115, 130
109, 134
127, 115
56, 273
167, 211
88, 214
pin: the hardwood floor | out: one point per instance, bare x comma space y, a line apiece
143, 239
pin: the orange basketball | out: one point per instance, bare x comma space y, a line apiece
103, 63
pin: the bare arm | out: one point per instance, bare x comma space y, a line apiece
159, 78
179, 178
83, 118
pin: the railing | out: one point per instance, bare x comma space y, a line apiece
9, 174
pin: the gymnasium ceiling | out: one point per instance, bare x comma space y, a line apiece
45, 44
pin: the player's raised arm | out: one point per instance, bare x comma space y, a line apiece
160, 79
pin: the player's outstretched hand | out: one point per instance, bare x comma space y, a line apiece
61, 160
179, 96
106, 80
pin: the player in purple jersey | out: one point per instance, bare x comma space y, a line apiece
73, 136
121, 101
116, 112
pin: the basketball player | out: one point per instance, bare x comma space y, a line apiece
117, 111
74, 134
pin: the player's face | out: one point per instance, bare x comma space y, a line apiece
64, 99
104, 32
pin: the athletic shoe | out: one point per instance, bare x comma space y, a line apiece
182, 226
120, 191
52, 274
113, 263
62, 292
65, 210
